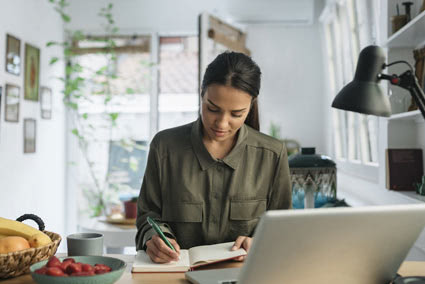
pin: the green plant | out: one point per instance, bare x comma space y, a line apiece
76, 79
420, 187
292, 146
274, 130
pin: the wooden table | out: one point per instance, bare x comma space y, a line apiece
408, 268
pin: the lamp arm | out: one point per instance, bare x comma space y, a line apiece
418, 95
397, 62
408, 81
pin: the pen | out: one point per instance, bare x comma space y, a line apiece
159, 232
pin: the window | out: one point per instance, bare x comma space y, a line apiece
354, 135
122, 104
113, 105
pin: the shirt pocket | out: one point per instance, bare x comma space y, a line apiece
183, 212
244, 216
245, 210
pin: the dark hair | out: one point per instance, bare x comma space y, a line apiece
239, 71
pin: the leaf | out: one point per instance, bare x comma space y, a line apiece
102, 70
53, 60
129, 91
78, 35
72, 105
51, 43
114, 116
75, 132
85, 115
66, 18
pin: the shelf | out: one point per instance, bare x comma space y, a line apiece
412, 195
415, 115
411, 35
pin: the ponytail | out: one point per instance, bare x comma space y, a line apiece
252, 119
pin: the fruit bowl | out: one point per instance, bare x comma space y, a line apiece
118, 267
17, 263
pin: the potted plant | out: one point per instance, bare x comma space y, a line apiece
130, 208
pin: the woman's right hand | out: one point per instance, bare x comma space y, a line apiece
159, 252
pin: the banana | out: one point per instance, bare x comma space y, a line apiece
35, 237
38, 240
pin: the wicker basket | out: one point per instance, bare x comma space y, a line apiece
17, 263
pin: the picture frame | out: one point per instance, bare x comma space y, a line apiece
13, 55
46, 102
32, 73
29, 135
12, 94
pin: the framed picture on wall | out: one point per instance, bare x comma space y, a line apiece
11, 110
13, 55
32, 72
46, 102
29, 135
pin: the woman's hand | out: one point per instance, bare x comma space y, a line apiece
242, 242
159, 252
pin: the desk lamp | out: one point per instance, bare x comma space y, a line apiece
364, 95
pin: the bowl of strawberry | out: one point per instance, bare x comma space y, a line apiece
78, 269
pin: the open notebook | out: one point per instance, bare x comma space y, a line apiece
189, 259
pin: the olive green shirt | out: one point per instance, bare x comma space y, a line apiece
200, 200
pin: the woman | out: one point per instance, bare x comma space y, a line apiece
209, 181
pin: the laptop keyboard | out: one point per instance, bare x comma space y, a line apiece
229, 282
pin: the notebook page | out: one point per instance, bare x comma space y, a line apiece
143, 263
212, 253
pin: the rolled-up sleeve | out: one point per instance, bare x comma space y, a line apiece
150, 201
280, 195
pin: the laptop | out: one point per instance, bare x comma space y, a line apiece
326, 245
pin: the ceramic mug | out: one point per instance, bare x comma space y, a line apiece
85, 244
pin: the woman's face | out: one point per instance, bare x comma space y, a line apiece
223, 111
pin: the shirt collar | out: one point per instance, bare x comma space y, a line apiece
204, 157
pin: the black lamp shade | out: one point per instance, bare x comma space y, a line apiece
363, 94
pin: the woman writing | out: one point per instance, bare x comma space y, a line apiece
209, 181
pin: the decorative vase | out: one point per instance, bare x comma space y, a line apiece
313, 179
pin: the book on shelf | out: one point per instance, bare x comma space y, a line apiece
404, 168
189, 259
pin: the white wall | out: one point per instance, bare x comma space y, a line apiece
292, 93
144, 15
290, 57
33, 183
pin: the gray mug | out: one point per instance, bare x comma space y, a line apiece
85, 244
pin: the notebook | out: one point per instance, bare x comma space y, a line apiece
189, 259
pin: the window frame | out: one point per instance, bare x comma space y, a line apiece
354, 165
